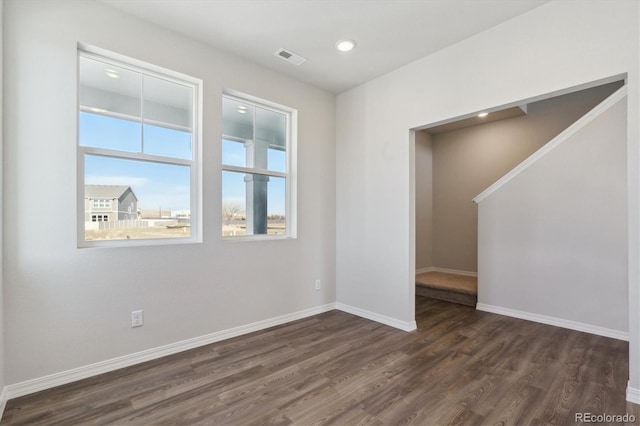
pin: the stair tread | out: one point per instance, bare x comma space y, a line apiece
448, 282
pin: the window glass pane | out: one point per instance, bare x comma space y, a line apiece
233, 204
271, 128
166, 103
237, 119
276, 206
253, 204
147, 200
271, 137
110, 90
101, 131
167, 142
277, 160
234, 153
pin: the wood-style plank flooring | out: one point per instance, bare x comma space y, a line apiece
460, 367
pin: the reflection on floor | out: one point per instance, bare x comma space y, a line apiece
450, 287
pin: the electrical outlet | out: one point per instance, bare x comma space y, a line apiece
318, 284
137, 318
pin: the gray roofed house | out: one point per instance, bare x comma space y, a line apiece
106, 203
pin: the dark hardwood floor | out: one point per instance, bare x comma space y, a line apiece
460, 367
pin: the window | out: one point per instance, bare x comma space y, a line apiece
257, 163
138, 152
102, 204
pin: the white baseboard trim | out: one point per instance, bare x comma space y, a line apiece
446, 271
558, 322
633, 394
3, 400
392, 322
64, 377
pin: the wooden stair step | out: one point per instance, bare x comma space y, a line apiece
447, 295
454, 288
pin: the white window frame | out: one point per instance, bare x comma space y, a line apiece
102, 203
194, 164
290, 175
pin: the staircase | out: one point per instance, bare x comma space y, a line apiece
553, 233
449, 287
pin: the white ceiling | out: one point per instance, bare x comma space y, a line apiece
389, 33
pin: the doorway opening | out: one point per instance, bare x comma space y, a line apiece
458, 159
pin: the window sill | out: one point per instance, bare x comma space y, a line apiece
249, 238
137, 243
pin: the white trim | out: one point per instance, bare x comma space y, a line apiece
107, 56
113, 114
566, 134
633, 394
3, 393
254, 171
135, 156
392, 322
290, 175
3, 400
64, 377
194, 164
558, 322
256, 237
446, 271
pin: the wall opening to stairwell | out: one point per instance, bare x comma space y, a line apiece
457, 159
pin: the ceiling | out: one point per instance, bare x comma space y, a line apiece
476, 120
388, 33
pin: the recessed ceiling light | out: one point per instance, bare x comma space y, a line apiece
111, 73
483, 114
345, 45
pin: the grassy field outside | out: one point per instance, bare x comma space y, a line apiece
141, 233
229, 229
238, 228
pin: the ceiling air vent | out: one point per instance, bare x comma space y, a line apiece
290, 56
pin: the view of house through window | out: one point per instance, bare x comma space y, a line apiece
137, 152
255, 169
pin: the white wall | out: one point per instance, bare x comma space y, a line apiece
558, 45
553, 240
64, 306
2, 310
467, 161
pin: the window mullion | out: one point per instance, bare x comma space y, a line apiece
142, 113
136, 156
287, 182
264, 172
